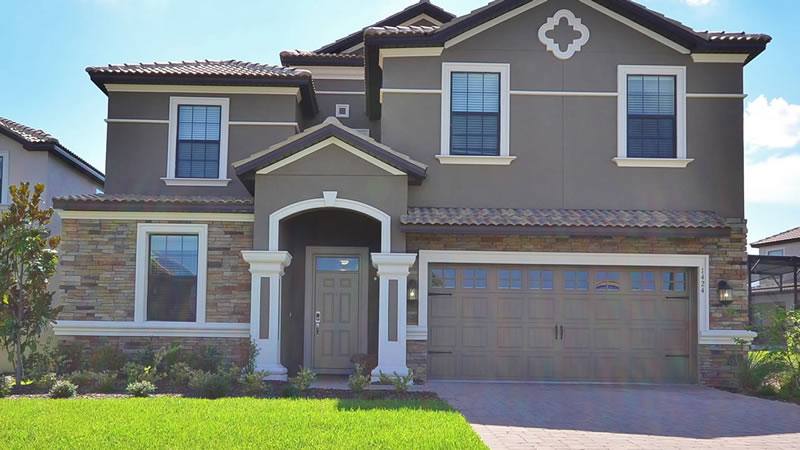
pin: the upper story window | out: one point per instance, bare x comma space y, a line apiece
171, 264
198, 147
652, 117
778, 252
475, 118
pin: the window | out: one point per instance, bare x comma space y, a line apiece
778, 252
643, 281
4, 198
171, 261
198, 147
652, 116
443, 278
606, 281
474, 279
475, 102
674, 281
576, 281
509, 279
343, 111
540, 279
337, 264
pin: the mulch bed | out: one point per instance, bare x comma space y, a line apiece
274, 390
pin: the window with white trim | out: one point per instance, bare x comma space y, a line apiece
171, 265
198, 141
778, 252
4, 198
475, 116
652, 115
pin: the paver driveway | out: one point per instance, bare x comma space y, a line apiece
617, 417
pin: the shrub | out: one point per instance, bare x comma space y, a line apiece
40, 363
206, 358
400, 383
45, 381
141, 389
210, 385
106, 382
252, 354
70, 357
6, 383
253, 383
359, 380
107, 358
167, 357
291, 391
302, 381
63, 389
86, 379
137, 372
754, 369
180, 374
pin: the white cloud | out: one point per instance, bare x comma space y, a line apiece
775, 180
697, 2
771, 124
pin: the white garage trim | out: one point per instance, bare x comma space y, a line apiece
699, 262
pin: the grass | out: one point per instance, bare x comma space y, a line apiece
171, 422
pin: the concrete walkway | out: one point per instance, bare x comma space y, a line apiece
621, 417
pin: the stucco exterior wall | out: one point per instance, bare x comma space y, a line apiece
565, 145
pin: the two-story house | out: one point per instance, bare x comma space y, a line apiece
537, 190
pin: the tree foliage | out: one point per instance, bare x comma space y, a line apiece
28, 259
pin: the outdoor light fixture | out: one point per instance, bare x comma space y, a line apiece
412, 290
725, 293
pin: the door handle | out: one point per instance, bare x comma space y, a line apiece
556, 329
317, 320
562, 332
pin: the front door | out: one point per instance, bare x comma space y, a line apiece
337, 301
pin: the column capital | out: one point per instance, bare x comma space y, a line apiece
393, 264
267, 263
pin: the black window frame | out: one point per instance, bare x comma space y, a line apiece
179, 141
674, 116
481, 114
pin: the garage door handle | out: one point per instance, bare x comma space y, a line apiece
562, 332
432, 294
556, 332
678, 298
439, 353
676, 356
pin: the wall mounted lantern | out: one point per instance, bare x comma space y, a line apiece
725, 293
412, 290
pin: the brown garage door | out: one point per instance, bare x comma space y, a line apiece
560, 323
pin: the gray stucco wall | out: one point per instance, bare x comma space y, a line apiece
136, 156
565, 145
327, 102
330, 169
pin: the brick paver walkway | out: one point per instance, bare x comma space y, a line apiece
621, 417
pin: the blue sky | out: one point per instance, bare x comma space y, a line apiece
48, 44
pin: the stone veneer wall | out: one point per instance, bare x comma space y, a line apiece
728, 261
98, 269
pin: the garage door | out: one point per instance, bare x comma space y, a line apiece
603, 324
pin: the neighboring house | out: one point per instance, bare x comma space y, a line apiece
777, 286
537, 190
31, 155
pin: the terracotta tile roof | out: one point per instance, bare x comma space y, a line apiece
402, 31
786, 236
32, 135
229, 68
101, 202
740, 36
306, 58
34, 139
562, 218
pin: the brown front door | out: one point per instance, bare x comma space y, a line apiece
337, 286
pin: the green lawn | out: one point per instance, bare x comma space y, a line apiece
164, 422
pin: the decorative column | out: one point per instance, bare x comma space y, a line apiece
393, 271
267, 270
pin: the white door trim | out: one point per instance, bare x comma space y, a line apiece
700, 262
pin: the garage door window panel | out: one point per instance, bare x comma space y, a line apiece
674, 281
576, 281
540, 280
509, 279
643, 281
443, 278
607, 281
475, 279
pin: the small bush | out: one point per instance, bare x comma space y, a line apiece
167, 357
753, 371
291, 391
86, 379
252, 384
400, 383
141, 389
69, 357
6, 383
63, 389
358, 381
106, 382
137, 372
45, 381
206, 358
107, 358
302, 381
40, 363
210, 385
180, 374
252, 354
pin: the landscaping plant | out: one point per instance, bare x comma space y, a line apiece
252, 384
210, 385
180, 374
302, 381
107, 358
28, 259
5, 386
784, 338
63, 389
252, 354
400, 383
359, 380
141, 389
